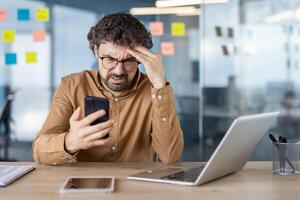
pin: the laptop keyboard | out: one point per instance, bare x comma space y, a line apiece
9, 173
190, 175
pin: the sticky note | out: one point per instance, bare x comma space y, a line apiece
42, 15
39, 35
8, 35
10, 58
3, 15
156, 28
225, 50
178, 29
230, 33
23, 15
31, 57
218, 31
167, 48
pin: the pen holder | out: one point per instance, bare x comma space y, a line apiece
286, 158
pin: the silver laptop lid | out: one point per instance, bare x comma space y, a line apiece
237, 146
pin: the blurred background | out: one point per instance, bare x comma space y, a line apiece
224, 59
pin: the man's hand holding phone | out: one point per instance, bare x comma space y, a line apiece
82, 135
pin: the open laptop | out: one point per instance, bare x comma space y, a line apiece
235, 149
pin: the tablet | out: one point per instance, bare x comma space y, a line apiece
78, 184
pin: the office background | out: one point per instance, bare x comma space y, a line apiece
225, 60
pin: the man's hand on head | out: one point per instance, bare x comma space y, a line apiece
84, 136
153, 65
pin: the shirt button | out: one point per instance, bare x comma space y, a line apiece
113, 148
116, 99
153, 96
159, 97
164, 119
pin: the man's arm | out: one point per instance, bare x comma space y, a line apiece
66, 131
167, 136
49, 145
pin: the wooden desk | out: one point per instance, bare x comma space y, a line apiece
254, 182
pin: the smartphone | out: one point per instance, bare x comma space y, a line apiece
78, 184
93, 104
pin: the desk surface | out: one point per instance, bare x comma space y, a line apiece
255, 181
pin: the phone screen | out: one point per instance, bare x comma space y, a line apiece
89, 183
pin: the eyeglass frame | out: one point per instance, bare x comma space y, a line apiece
121, 61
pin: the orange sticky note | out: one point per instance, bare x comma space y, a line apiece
3, 15
8, 35
42, 15
167, 48
178, 29
39, 35
31, 57
156, 28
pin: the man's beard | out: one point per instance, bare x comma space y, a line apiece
116, 87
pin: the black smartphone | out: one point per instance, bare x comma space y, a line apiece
93, 104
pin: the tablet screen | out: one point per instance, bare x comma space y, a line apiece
89, 183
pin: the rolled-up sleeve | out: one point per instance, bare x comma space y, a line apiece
167, 136
49, 145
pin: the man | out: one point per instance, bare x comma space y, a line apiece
142, 114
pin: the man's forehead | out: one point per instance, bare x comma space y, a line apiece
113, 50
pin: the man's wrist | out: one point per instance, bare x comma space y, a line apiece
159, 85
68, 146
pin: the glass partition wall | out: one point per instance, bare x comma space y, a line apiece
250, 65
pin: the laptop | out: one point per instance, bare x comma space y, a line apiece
232, 153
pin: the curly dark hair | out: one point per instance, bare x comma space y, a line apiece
120, 29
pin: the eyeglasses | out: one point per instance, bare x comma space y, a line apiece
129, 64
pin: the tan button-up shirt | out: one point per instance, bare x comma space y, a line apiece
146, 122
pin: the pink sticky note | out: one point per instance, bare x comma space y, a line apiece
156, 28
3, 15
39, 35
167, 48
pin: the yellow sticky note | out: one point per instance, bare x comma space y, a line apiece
156, 28
31, 57
178, 29
42, 15
167, 48
8, 36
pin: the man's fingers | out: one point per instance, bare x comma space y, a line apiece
92, 117
76, 115
145, 51
137, 55
99, 135
98, 127
101, 142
